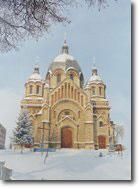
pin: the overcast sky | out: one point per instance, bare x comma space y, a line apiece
104, 35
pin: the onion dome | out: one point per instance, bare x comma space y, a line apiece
35, 76
95, 78
64, 61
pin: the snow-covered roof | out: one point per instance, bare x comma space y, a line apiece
95, 78
63, 58
35, 76
31, 98
64, 61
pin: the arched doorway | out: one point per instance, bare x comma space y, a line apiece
102, 142
66, 137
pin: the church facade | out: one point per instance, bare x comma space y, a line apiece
65, 112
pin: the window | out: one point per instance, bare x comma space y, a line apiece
101, 124
100, 90
58, 78
82, 100
67, 113
93, 91
78, 114
109, 132
37, 89
54, 114
71, 76
30, 89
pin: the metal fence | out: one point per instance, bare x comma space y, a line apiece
5, 172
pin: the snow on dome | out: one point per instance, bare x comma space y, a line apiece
64, 61
35, 75
63, 58
95, 78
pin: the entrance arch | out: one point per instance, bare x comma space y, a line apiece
102, 142
66, 137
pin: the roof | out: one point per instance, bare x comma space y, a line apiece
95, 78
64, 61
35, 76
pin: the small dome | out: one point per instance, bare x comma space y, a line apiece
95, 78
35, 75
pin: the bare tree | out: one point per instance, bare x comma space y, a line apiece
20, 19
119, 132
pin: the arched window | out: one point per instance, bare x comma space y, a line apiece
95, 120
62, 92
71, 91
100, 90
82, 102
81, 80
37, 89
52, 99
109, 132
93, 91
79, 114
54, 114
101, 124
71, 76
67, 113
58, 78
31, 89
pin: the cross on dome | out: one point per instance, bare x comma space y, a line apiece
94, 69
65, 48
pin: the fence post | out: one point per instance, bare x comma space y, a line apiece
2, 163
6, 173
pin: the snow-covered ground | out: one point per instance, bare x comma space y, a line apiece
68, 164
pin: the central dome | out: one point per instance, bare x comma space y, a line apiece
63, 58
64, 61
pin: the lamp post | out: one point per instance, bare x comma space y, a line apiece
42, 139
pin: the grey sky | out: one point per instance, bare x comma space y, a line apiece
105, 35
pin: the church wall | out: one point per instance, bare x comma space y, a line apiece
34, 86
60, 102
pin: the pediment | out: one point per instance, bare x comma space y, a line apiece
67, 118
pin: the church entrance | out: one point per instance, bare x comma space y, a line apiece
66, 137
102, 142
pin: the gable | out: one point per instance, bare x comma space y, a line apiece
67, 89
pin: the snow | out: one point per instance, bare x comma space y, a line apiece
31, 98
63, 58
35, 76
68, 164
23, 131
95, 78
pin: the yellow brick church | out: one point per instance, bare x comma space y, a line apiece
65, 112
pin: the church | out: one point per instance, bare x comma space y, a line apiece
65, 111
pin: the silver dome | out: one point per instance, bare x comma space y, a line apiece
64, 61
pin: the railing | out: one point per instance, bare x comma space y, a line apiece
5, 172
